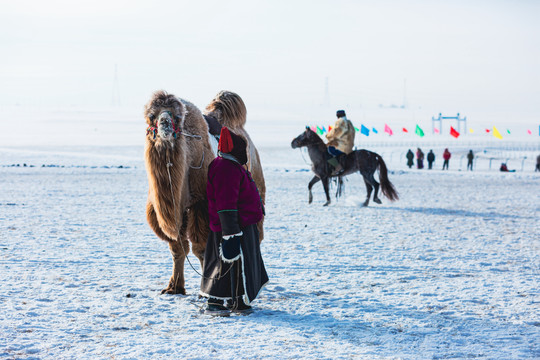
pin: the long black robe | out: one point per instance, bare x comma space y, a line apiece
216, 281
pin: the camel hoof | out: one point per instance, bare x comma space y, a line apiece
378, 201
310, 199
326, 203
171, 291
365, 204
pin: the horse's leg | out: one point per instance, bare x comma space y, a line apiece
310, 185
325, 183
375, 184
179, 250
369, 189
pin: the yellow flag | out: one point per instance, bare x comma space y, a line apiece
496, 133
471, 130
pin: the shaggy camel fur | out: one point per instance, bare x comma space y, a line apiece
230, 111
177, 168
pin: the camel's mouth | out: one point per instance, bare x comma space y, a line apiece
165, 126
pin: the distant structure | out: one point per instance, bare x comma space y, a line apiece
460, 122
326, 93
116, 88
405, 105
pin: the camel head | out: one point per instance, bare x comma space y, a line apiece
165, 115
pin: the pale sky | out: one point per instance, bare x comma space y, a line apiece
476, 55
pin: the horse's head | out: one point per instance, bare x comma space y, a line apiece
164, 114
307, 138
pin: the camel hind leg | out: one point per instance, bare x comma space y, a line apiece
198, 228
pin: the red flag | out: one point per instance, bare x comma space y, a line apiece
487, 130
436, 130
529, 132
453, 132
329, 128
405, 130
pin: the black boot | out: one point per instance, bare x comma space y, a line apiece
335, 166
237, 304
215, 307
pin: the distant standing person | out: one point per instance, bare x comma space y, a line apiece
446, 156
537, 164
430, 159
470, 158
410, 158
419, 158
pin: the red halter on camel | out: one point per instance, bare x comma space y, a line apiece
154, 130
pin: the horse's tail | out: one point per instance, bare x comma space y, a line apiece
387, 187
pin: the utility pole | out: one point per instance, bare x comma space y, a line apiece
326, 93
405, 105
116, 88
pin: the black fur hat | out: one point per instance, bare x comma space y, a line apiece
340, 113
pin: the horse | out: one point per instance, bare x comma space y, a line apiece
364, 161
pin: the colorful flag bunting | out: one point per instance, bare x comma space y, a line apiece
319, 130
508, 131
529, 132
364, 130
356, 129
405, 130
375, 130
419, 131
496, 133
323, 129
453, 132
329, 128
388, 130
314, 129
488, 131
471, 130
436, 130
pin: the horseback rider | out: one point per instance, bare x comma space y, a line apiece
340, 142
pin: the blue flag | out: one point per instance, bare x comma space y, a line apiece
375, 131
364, 130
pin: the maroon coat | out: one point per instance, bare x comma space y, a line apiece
231, 188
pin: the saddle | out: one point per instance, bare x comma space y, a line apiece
337, 163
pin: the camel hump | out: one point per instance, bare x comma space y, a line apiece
229, 109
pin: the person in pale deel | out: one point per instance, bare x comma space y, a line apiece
470, 158
340, 141
410, 158
419, 158
430, 159
446, 156
537, 164
233, 268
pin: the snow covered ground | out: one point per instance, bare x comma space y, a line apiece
450, 271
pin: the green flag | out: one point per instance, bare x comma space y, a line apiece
419, 131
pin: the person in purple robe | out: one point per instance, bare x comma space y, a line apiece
233, 268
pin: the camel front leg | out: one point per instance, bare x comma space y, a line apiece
179, 251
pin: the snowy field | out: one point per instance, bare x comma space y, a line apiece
450, 271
